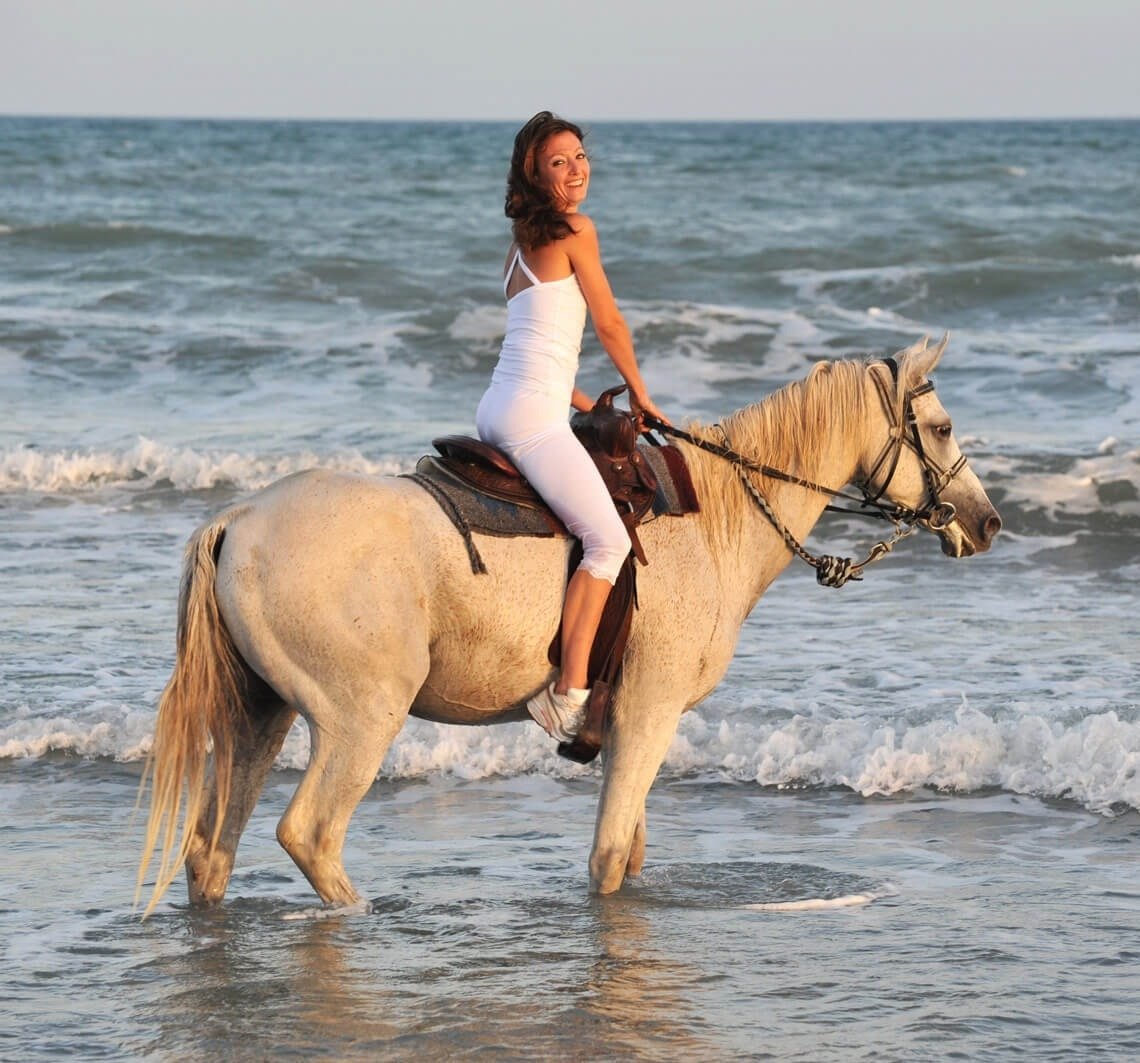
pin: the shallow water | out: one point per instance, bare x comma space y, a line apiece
1000, 928
950, 750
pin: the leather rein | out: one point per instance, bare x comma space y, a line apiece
836, 571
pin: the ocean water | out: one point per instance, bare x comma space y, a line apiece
906, 824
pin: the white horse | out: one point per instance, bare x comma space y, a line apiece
352, 601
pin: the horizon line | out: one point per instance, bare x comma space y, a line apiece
705, 120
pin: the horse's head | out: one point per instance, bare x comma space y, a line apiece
913, 461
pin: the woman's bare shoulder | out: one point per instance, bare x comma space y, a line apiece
582, 225
583, 240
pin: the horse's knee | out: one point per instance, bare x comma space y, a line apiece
208, 875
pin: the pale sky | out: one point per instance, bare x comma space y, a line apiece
591, 59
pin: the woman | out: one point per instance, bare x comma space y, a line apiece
553, 276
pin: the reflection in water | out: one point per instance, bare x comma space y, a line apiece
645, 998
246, 982
450, 980
467, 963
339, 1007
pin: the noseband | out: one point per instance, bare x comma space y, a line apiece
836, 571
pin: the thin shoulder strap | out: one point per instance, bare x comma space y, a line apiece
525, 268
518, 262
515, 259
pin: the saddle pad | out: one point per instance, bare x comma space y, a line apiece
480, 513
676, 495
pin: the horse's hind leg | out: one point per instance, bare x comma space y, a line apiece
348, 747
257, 741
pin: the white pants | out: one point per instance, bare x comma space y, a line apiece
532, 429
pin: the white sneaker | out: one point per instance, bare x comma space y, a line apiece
560, 715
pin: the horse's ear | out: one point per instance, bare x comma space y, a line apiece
917, 361
938, 351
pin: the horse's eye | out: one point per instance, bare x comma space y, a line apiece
943, 431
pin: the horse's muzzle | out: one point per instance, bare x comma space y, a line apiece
964, 537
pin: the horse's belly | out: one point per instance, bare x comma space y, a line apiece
482, 680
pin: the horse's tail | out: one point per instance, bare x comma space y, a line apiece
200, 709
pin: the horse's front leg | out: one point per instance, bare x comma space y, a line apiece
637, 848
635, 747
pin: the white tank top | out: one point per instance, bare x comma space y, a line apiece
545, 323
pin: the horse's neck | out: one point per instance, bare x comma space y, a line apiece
749, 550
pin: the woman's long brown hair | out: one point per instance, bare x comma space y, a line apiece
536, 221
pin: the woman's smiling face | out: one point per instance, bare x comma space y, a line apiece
564, 170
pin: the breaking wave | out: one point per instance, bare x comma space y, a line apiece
1093, 761
148, 463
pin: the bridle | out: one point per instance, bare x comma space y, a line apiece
903, 431
935, 514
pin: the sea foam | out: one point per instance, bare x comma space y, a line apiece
1094, 761
148, 462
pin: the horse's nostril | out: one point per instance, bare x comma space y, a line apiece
991, 527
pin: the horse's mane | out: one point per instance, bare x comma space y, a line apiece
788, 430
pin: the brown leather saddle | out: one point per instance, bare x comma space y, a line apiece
610, 436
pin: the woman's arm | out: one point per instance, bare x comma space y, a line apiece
586, 259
